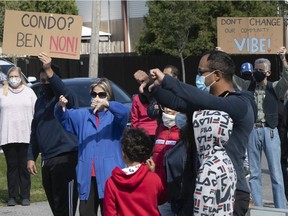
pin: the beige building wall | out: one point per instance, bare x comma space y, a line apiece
116, 27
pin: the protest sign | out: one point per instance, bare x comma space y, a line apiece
250, 35
29, 33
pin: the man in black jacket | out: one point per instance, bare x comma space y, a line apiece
58, 148
215, 91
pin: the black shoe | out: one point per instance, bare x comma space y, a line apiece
25, 202
11, 202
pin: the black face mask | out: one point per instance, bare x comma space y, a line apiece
259, 76
47, 90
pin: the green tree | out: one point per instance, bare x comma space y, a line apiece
184, 28
48, 6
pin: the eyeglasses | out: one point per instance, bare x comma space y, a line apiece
200, 72
100, 94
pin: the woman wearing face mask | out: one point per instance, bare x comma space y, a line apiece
98, 130
167, 136
16, 113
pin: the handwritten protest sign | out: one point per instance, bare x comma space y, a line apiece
29, 33
250, 35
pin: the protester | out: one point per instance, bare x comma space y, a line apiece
168, 135
216, 179
181, 168
134, 190
265, 135
246, 74
215, 72
99, 130
154, 110
246, 71
58, 148
16, 112
139, 116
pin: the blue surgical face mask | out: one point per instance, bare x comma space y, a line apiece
180, 120
200, 82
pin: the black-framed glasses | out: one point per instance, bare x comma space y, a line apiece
202, 71
100, 94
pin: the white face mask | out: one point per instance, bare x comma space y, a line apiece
168, 120
14, 82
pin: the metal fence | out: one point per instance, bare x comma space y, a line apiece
121, 67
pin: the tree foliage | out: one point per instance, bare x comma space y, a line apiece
189, 27
48, 6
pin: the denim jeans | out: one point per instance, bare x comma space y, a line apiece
266, 139
165, 209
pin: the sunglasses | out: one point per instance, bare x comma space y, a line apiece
100, 94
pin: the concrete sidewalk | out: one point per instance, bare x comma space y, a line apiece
35, 209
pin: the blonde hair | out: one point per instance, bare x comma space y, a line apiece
18, 69
6, 84
105, 85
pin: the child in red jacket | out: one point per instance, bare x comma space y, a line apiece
134, 190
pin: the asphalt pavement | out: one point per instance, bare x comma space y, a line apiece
43, 209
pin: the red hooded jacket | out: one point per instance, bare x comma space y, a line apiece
139, 193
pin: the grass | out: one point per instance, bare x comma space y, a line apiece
37, 190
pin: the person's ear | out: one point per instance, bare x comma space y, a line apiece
218, 74
268, 73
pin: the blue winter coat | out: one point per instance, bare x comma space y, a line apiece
100, 144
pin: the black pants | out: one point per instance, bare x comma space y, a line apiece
90, 207
60, 183
241, 203
18, 177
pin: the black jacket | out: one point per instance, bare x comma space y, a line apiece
48, 137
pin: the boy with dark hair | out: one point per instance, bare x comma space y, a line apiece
134, 190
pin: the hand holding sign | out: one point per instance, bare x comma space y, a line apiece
282, 53
45, 59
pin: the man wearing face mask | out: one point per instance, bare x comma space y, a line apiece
215, 72
265, 133
168, 135
58, 148
246, 71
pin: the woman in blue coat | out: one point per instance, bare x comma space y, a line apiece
99, 130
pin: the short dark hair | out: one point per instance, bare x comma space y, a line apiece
55, 69
136, 144
220, 60
174, 70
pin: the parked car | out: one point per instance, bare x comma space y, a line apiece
81, 88
6, 65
